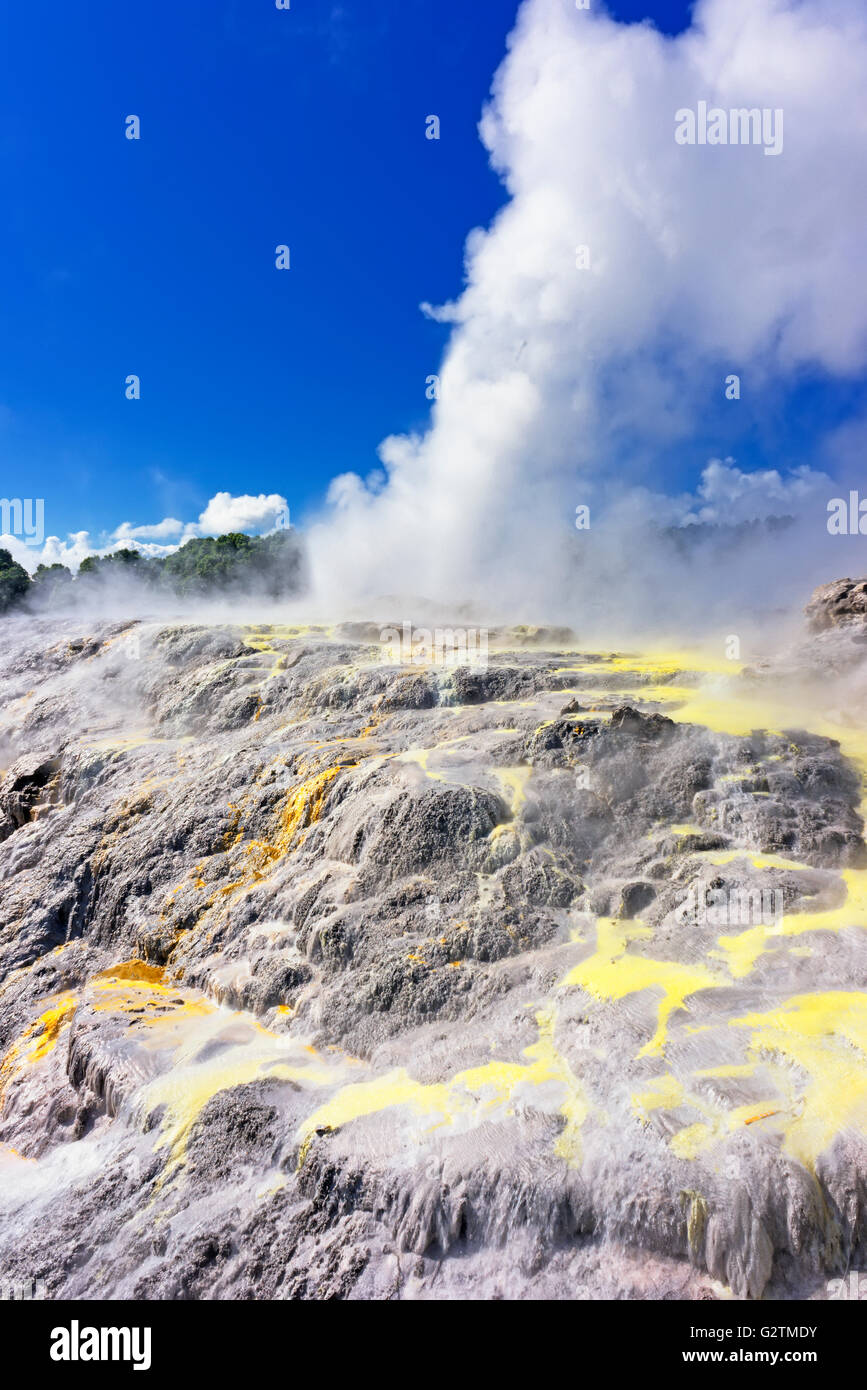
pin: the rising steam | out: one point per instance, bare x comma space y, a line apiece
564, 386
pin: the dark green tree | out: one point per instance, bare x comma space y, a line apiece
14, 582
259, 566
50, 583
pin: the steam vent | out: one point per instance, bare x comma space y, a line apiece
325, 974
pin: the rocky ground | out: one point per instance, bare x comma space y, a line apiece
324, 977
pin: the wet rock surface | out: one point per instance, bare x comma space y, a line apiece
322, 977
842, 603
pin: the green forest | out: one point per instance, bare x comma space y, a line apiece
265, 566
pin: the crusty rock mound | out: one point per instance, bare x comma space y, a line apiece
323, 976
842, 603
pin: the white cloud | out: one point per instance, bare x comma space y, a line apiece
726, 494
53, 551
159, 530
254, 515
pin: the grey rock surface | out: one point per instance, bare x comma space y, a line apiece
321, 977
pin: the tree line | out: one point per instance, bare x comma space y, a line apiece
266, 566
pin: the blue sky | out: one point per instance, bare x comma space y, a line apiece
156, 257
